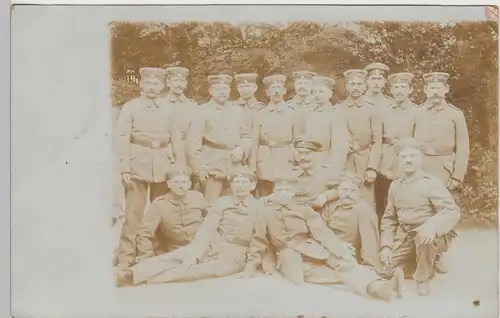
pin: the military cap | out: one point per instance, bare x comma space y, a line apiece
349, 177
153, 72
305, 143
241, 171
377, 68
220, 79
324, 81
274, 79
176, 71
436, 77
355, 73
303, 75
407, 143
178, 169
246, 78
401, 78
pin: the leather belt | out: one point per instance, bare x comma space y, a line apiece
217, 145
155, 144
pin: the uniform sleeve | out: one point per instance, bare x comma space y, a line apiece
123, 135
321, 233
370, 238
462, 148
339, 140
207, 230
259, 243
447, 212
146, 234
194, 140
376, 141
178, 147
389, 221
252, 160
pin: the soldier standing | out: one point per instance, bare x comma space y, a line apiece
398, 123
182, 107
246, 83
273, 132
419, 219
147, 142
307, 251
218, 139
377, 73
326, 125
365, 133
218, 249
302, 100
442, 131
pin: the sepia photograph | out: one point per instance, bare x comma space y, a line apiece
302, 166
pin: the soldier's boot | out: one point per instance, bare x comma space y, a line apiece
424, 287
439, 265
124, 277
388, 289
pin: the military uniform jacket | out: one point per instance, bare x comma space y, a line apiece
227, 230
178, 220
250, 108
398, 123
327, 126
319, 179
216, 130
380, 101
420, 199
291, 225
357, 226
302, 105
365, 135
273, 132
443, 132
147, 140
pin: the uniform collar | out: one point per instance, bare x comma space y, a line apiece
246, 202
175, 200
413, 178
215, 105
276, 107
430, 106
301, 101
173, 98
301, 171
354, 102
322, 106
404, 105
150, 103
251, 103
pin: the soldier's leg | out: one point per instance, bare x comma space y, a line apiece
289, 264
135, 202
213, 189
381, 188
320, 274
404, 256
425, 257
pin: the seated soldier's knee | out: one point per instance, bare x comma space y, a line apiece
290, 265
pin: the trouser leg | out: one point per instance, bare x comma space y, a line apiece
135, 202
156, 265
404, 256
159, 241
426, 255
289, 264
213, 189
381, 188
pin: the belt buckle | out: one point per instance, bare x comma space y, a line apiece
155, 144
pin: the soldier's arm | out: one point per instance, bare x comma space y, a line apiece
178, 147
194, 140
298, 124
461, 148
447, 212
146, 234
259, 243
376, 139
369, 234
207, 230
122, 138
245, 136
390, 220
252, 160
339, 140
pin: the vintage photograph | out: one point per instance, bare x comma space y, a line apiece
321, 162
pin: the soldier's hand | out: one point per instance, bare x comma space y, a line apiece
452, 184
425, 234
127, 182
370, 175
386, 256
202, 177
237, 154
319, 201
248, 272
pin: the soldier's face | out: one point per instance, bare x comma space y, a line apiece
220, 92
375, 82
436, 92
276, 90
400, 91
303, 86
303, 156
322, 94
179, 184
349, 192
410, 160
151, 87
242, 186
176, 84
247, 90
284, 191
355, 87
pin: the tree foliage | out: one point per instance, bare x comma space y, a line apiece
466, 50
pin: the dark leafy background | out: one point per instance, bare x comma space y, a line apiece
466, 50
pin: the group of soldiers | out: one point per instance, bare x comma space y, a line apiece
357, 193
